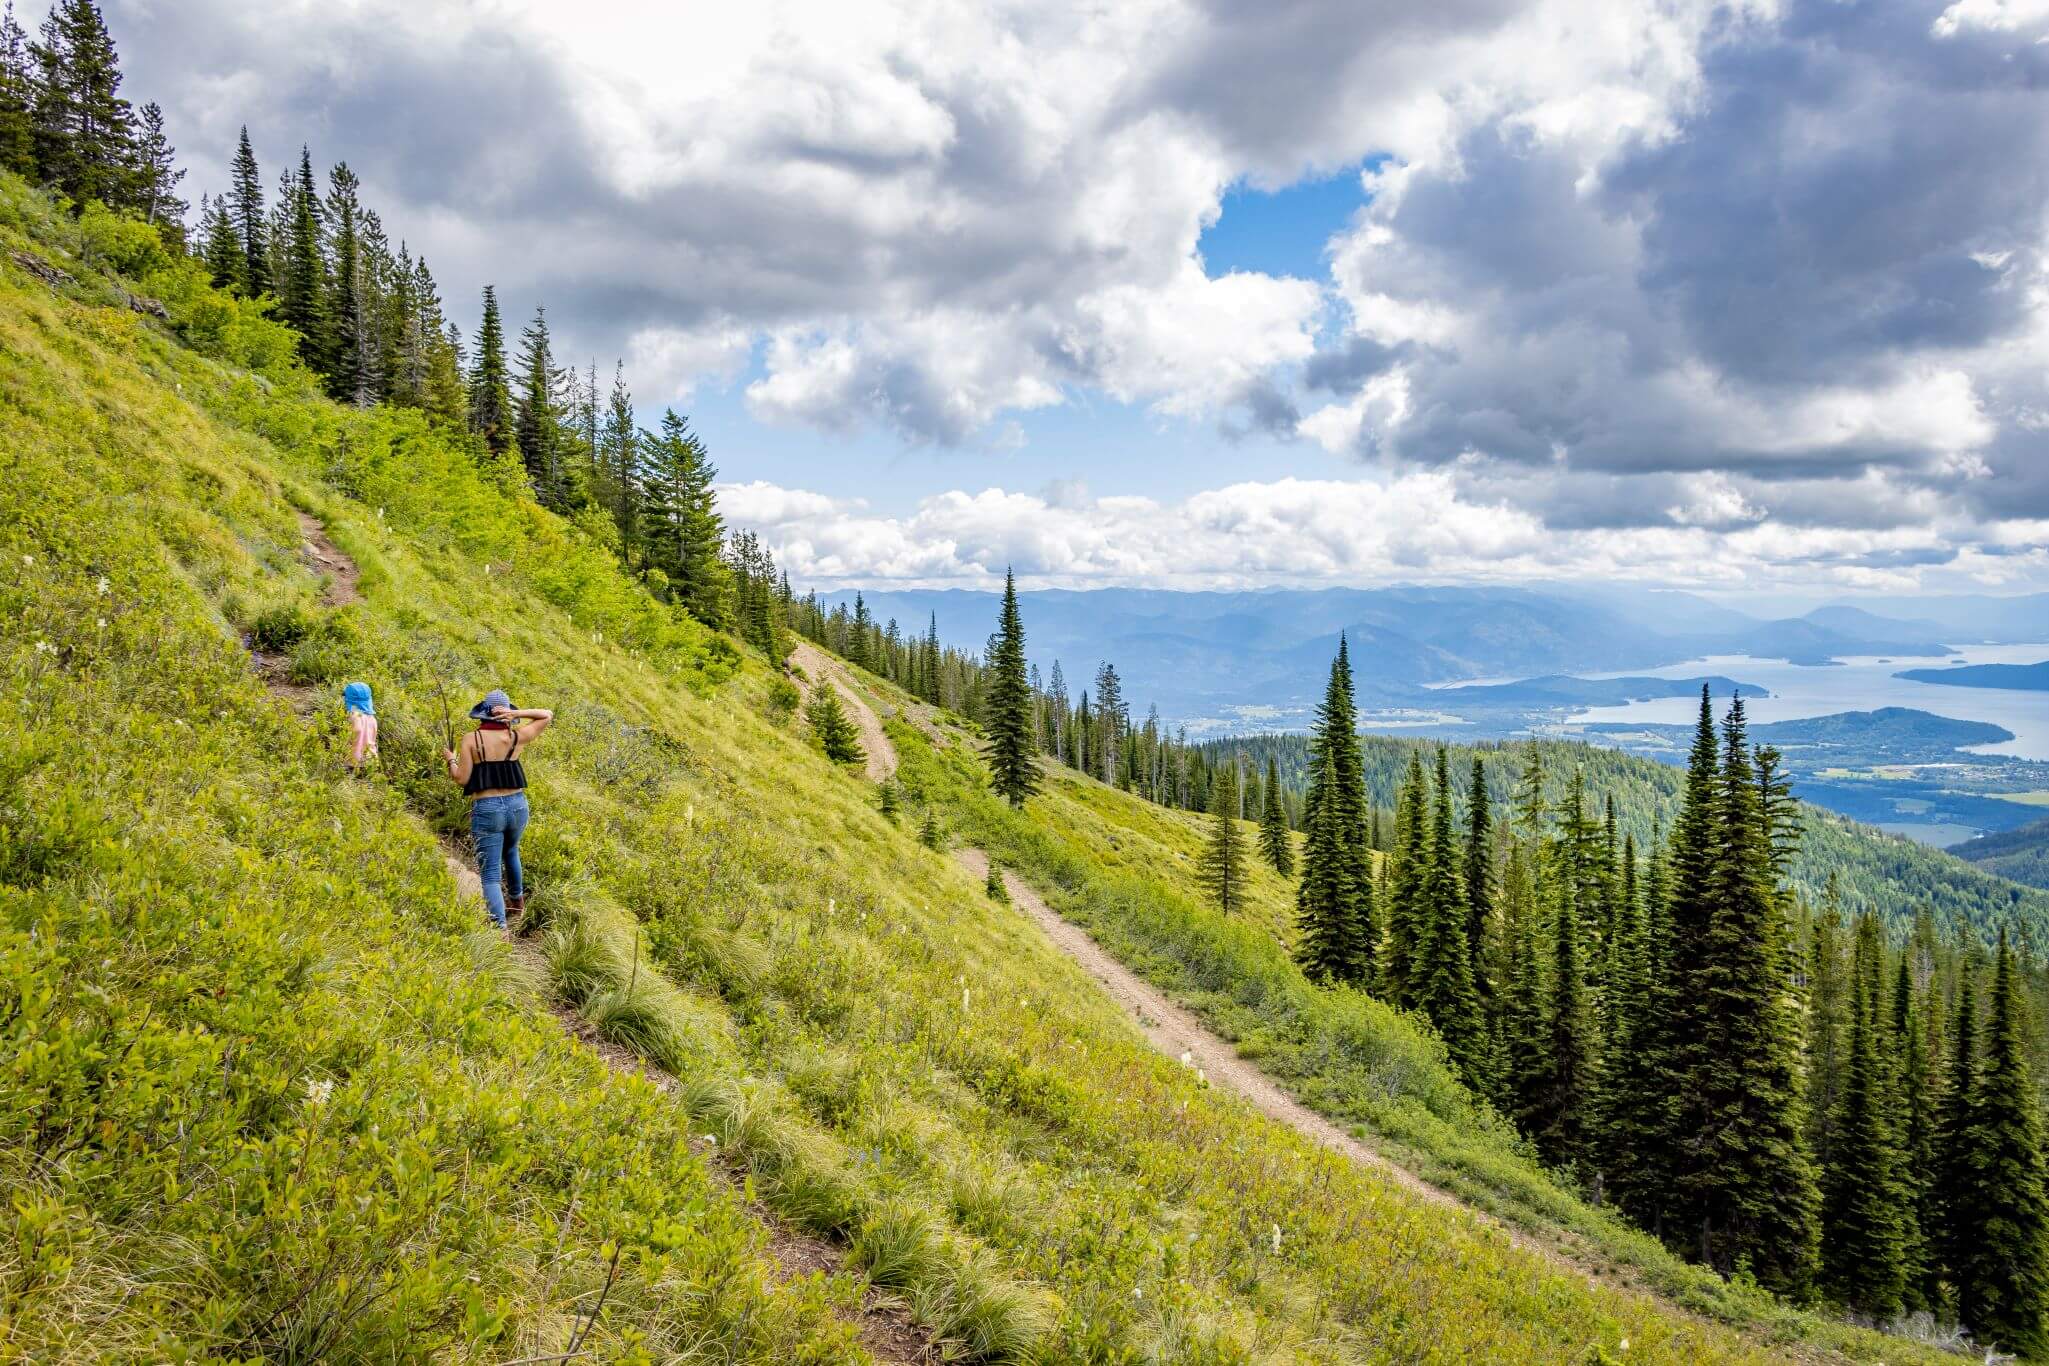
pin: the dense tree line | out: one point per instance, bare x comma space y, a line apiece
65, 124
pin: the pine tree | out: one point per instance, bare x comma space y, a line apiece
1276, 846
1443, 986
684, 529
1479, 873
1913, 1118
1671, 1049
1624, 1108
1407, 887
84, 131
352, 368
245, 207
860, 631
1223, 858
620, 465
835, 733
538, 429
17, 97
1333, 903
992, 884
221, 245
490, 388
1111, 718
2002, 1265
1521, 1042
929, 833
157, 173
1956, 1187
1752, 1177
302, 274
1827, 1023
1013, 771
1863, 1240
1565, 1096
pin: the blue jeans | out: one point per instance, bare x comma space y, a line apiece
496, 823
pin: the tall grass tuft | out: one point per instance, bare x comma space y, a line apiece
634, 1015
581, 963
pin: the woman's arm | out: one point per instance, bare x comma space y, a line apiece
459, 761
537, 720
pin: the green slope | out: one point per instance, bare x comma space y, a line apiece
267, 1091
1126, 869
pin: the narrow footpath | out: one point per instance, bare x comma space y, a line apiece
1175, 1031
886, 1329
817, 668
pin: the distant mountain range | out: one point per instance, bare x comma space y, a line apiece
2017, 677
1259, 658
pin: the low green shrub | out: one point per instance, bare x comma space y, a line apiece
279, 628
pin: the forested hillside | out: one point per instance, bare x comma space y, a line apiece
1894, 877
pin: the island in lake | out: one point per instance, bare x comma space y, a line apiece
2015, 677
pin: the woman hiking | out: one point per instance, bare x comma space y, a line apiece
487, 765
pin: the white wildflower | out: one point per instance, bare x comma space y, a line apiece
712, 1139
317, 1091
29, 561
44, 647
100, 622
1187, 1058
1138, 1292
103, 586
1277, 1240
964, 998
832, 905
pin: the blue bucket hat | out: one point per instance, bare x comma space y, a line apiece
494, 698
356, 697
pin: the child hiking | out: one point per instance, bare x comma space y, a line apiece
361, 712
487, 765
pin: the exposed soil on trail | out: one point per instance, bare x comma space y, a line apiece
818, 667
1177, 1032
337, 569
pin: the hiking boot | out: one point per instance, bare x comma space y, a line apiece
515, 905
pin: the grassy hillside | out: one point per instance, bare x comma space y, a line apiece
1889, 874
1125, 868
269, 1092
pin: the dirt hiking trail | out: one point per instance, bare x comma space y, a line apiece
1178, 1033
884, 1325
819, 667
337, 569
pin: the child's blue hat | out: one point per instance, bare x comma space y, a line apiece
356, 697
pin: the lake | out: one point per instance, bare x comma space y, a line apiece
1859, 683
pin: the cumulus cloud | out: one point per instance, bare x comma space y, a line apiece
1420, 525
1761, 278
